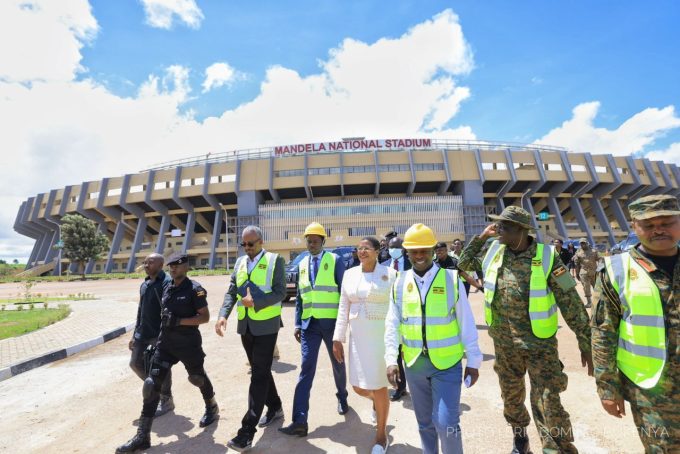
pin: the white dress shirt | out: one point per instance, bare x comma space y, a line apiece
400, 263
466, 321
253, 262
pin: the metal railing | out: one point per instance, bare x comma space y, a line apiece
267, 152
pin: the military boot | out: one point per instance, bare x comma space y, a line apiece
212, 412
142, 440
520, 444
165, 405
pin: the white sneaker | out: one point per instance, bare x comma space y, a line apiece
378, 449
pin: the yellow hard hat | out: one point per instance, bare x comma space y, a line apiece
419, 236
315, 229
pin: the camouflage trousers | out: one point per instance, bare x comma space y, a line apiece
588, 282
547, 381
656, 413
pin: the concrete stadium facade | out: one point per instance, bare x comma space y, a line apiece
355, 187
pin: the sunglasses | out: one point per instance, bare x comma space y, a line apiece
508, 227
248, 243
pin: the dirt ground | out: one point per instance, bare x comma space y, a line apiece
89, 402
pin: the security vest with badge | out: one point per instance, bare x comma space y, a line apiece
321, 299
261, 276
641, 354
542, 305
442, 342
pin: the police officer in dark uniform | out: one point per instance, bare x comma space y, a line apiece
148, 325
184, 308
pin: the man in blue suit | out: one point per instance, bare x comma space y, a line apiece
316, 310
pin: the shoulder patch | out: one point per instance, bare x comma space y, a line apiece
559, 271
200, 293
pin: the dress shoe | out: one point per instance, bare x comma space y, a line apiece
397, 394
241, 442
269, 418
295, 428
343, 408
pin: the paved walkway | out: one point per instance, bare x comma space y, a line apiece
88, 320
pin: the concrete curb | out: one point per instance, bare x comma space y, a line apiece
56, 355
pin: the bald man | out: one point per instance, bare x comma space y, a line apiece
148, 325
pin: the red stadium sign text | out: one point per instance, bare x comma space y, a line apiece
352, 145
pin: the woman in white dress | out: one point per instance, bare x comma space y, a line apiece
364, 300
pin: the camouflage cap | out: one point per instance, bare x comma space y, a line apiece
653, 206
516, 215
583, 240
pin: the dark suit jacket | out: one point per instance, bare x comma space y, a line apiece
278, 294
407, 263
326, 323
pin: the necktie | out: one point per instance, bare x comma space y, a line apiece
395, 262
315, 269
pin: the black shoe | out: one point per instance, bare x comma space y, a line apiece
212, 412
520, 444
343, 408
165, 405
269, 418
142, 440
295, 428
397, 394
241, 443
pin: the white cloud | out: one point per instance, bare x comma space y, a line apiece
633, 135
62, 131
669, 155
220, 74
162, 13
42, 39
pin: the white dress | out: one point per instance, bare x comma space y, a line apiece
364, 300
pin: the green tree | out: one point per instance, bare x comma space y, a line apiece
82, 240
15, 261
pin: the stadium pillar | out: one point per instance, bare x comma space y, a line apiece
576, 208
217, 231
602, 219
165, 225
559, 221
473, 199
115, 245
137, 243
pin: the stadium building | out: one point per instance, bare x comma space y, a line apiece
354, 187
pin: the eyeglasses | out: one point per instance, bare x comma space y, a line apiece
508, 227
249, 243
365, 249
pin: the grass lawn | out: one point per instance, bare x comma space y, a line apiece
42, 299
16, 323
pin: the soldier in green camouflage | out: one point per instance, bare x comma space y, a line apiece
586, 260
511, 297
636, 326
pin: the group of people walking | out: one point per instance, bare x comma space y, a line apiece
409, 322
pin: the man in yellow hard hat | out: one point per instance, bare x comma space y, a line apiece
524, 284
430, 317
636, 326
316, 310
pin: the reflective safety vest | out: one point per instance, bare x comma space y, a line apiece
321, 299
442, 332
641, 353
542, 307
262, 275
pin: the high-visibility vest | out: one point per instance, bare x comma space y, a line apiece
542, 306
262, 275
321, 299
641, 353
442, 332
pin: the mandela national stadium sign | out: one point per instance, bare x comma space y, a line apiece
352, 145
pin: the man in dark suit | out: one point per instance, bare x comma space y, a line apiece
257, 287
316, 310
398, 261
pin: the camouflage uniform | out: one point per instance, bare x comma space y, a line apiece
588, 261
518, 351
656, 411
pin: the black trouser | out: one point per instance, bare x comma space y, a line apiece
137, 365
467, 288
260, 352
192, 357
401, 386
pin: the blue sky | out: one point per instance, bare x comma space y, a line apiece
98, 88
534, 60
